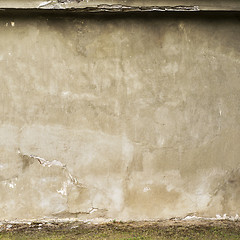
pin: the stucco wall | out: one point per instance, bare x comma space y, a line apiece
130, 117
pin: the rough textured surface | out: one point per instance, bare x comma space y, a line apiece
118, 230
119, 117
168, 5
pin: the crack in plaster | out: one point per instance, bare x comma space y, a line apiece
8, 179
223, 186
56, 163
91, 210
71, 180
69, 1
119, 7
62, 4
226, 179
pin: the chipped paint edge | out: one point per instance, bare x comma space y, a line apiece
121, 6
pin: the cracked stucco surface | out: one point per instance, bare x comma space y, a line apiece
125, 5
113, 117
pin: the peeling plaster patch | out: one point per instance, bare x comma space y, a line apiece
146, 189
9, 226
65, 93
74, 96
44, 162
75, 214
65, 187
93, 210
124, 8
170, 188
218, 217
10, 183
12, 24
69, 1
56, 163
43, 4
51, 5
160, 142
74, 227
65, 4
63, 190
47, 163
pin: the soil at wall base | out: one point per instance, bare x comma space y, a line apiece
170, 229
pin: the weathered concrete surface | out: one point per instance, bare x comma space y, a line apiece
203, 5
114, 117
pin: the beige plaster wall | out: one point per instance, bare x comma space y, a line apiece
131, 117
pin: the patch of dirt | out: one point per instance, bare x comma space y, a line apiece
169, 229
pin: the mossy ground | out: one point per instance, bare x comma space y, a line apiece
119, 230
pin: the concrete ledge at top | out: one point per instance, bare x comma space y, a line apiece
125, 5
